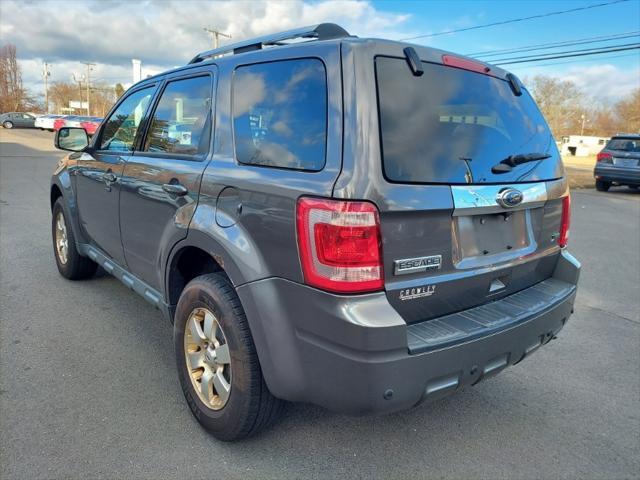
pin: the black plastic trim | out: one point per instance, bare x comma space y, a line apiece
488, 318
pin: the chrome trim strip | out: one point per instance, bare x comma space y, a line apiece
468, 199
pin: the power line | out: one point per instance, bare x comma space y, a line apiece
514, 20
635, 47
577, 61
547, 46
543, 55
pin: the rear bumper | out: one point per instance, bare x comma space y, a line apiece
356, 355
622, 175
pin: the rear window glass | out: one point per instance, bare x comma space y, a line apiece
624, 144
280, 114
451, 126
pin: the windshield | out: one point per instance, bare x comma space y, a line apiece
624, 144
451, 126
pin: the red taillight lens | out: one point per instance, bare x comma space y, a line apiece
339, 244
563, 238
604, 157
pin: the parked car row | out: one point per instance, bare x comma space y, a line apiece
49, 122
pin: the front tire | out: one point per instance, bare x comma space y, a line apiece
71, 264
8, 125
217, 362
602, 186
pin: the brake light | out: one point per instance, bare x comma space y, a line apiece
604, 157
563, 238
465, 63
339, 245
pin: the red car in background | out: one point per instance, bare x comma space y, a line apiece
91, 124
59, 123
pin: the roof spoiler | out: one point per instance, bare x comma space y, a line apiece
321, 31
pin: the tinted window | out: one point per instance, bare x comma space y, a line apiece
121, 127
451, 126
182, 122
280, 114
625, 144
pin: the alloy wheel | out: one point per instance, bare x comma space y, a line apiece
62, 243
207, 357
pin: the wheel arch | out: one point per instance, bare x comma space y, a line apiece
196, 255
54, 195
62, 187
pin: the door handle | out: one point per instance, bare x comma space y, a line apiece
175, 189
109, 177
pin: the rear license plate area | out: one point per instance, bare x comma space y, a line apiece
625, 162
478, 239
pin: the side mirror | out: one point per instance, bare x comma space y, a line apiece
72, 139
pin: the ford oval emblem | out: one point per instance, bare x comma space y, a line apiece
509, 197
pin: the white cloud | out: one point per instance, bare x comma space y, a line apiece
604, 82
162, 34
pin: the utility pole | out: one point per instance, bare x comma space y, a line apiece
584, 119
46, 74
79, 82
89, 65
215, 36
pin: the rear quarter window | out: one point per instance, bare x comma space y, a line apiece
280, 114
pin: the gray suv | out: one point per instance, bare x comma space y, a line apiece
357, 223
618, 163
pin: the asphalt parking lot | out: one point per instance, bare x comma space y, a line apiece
88, 387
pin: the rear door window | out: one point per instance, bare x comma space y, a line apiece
452, 125
181, 123
280, 114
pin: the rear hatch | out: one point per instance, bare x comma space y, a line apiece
624, 151
474, 184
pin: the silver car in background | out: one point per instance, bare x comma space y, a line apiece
45, 122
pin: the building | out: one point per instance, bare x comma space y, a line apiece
581, 145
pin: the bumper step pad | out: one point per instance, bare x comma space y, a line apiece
488, 318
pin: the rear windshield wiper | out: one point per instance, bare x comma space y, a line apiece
514, 160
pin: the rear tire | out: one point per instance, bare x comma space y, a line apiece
602, 186
8, 125
633, 187
71, 264
246, 406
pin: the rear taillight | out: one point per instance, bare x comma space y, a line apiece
563, 238
339, 244
604, 157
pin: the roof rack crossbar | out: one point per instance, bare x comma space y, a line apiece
321, 31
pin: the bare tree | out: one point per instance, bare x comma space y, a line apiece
119, 89
102, 99
602, 121
628, 112
12, 95
60, 94
561, 102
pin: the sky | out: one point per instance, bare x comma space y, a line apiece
164, 33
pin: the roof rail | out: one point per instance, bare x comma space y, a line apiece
321, 31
